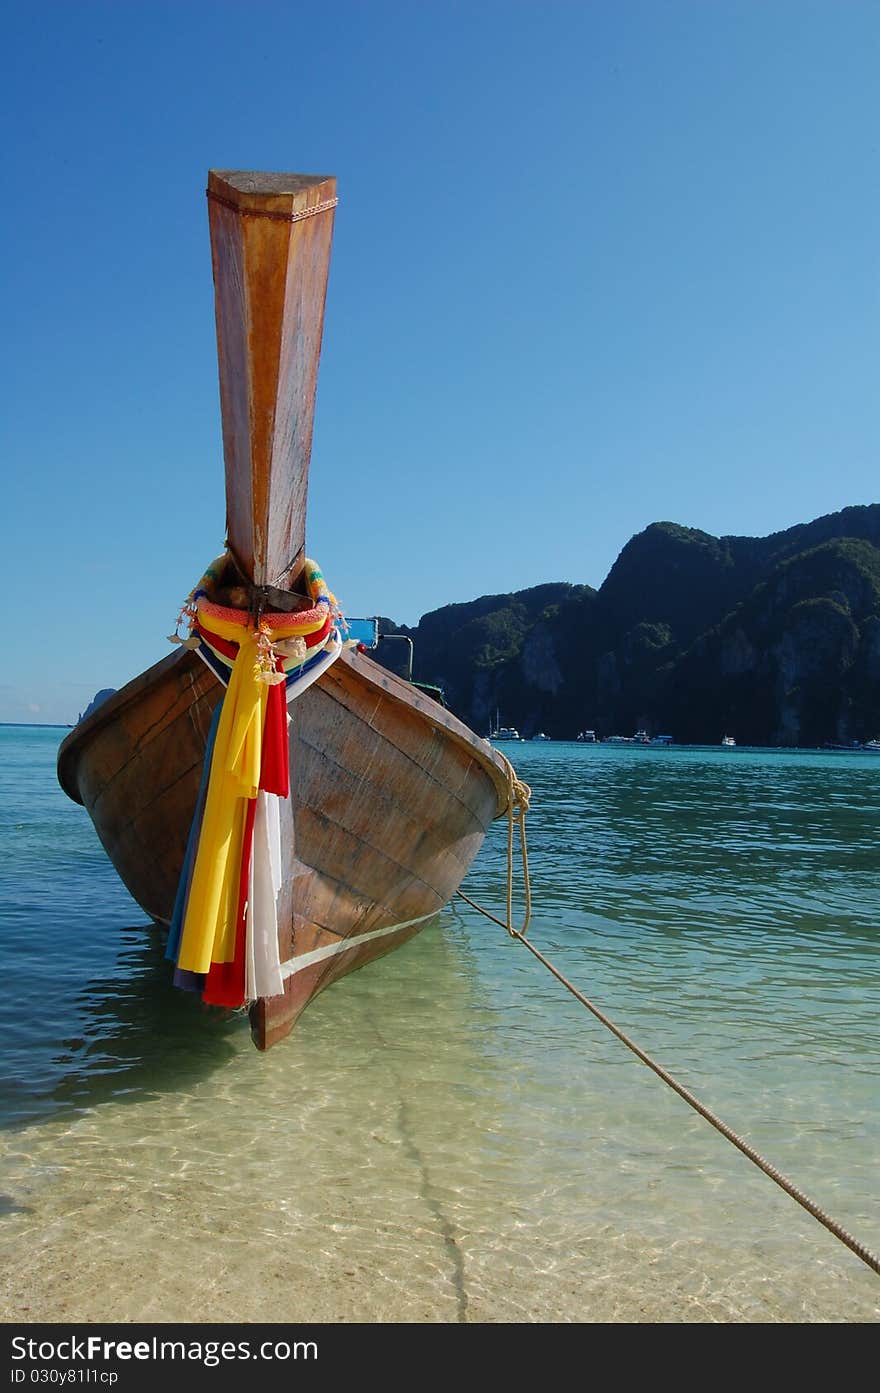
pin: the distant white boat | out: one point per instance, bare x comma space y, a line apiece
727, 740
540, 736
500, 732
588, 735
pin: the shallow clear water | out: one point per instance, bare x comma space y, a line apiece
449, 1135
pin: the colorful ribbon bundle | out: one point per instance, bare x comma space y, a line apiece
224, 929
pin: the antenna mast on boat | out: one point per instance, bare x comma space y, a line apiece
270, 248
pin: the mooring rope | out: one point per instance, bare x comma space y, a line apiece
518, 796
518, 802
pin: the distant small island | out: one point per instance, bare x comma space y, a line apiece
97, 700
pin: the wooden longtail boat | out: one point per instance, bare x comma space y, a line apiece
390, 795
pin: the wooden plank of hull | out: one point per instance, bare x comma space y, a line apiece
390, 801
135, 764
271, 255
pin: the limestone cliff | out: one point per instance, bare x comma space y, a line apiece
775, 640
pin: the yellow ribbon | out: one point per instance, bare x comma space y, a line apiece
209, 925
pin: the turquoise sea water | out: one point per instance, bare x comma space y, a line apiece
448, 1135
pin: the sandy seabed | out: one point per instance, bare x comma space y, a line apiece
386, 1189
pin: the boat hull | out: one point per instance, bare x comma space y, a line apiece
391, 798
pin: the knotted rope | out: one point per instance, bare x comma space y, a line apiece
518, 797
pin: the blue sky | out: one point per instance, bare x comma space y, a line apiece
595, 265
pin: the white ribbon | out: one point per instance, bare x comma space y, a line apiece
263, 976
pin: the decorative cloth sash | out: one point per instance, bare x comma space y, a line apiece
224, 929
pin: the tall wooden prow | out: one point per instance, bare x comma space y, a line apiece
270, 248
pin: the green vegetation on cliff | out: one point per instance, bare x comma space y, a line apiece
775, 640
